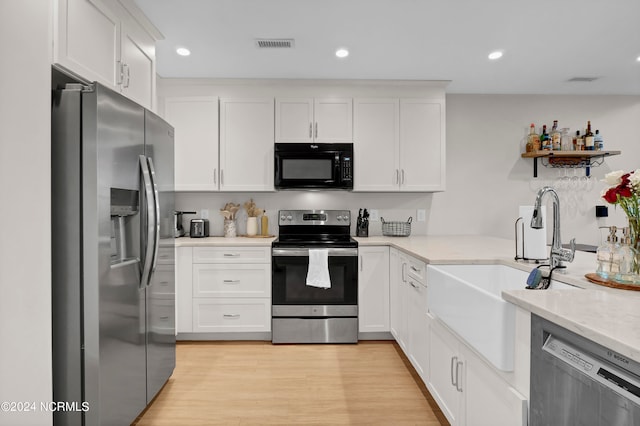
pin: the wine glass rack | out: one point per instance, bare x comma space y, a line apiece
568, 159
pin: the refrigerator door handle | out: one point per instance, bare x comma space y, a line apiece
156, 239
148, 239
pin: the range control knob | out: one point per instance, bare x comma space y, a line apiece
289, 217
339, 217
283, 217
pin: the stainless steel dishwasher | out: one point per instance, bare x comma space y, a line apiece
575, 381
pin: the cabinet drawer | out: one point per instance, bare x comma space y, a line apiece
231, 254
163, 283
224, 280
231, 315
161, 317
166, 255
417, 270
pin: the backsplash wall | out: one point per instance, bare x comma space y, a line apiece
391, 206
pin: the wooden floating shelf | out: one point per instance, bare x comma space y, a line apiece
569, 154
581, 159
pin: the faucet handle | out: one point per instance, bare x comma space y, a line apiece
571, 252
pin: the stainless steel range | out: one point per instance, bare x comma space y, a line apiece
314, 271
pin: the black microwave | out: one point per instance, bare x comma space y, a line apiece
313, 166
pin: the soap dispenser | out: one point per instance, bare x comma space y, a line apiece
607, 256
626, 254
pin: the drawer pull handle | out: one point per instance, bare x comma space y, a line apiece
164, 318
231, 255
231, 281
231, 315
413, 268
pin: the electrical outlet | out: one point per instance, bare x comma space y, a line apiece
422, 215
373, 215
204, 214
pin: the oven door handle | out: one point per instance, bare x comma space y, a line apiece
304, 252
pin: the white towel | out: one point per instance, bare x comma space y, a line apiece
318, 273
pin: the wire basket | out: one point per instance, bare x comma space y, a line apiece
396, 229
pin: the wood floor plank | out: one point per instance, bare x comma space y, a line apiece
257, 383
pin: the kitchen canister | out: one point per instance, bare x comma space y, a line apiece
230, 228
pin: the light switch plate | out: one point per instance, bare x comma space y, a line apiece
374, 215
204, 214
422, 215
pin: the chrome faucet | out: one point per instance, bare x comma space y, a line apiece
558, 254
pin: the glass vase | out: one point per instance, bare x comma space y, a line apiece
634, 233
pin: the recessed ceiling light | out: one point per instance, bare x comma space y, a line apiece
495, 55
342, 53
638, 59
183, 51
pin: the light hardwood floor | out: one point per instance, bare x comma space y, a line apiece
257, 383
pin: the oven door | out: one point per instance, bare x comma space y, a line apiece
289, 268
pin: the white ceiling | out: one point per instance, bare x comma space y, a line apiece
545, 42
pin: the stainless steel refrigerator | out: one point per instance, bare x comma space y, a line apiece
113, 289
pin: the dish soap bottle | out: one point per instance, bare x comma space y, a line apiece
627, 255
605, 255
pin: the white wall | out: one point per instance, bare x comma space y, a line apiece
487, 179
25, 279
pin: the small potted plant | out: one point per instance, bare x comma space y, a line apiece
252, 217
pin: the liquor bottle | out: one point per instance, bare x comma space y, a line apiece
588, 138
598, 141
566, 142
545, 139
555, 137
533, 140
578, 143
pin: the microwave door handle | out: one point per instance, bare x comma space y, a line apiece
148, 233
156, 197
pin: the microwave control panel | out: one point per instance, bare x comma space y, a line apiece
347, 169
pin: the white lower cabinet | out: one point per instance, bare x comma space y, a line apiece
467, 390
408, 306
224, 289
373, 289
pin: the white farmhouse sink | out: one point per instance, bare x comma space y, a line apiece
468, 299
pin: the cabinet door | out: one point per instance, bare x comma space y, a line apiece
488, 398
376, 147
87, 40
373, 289
394, 293
333, 120
246, 144
195, 120
184, 289
294, 120
422, 148
445, 369
418, 328
398, 303
138, 65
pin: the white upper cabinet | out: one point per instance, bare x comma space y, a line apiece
195, 120
399, 145
138, 65
376, 132
105, 44
246, 144
87, 40
422, 145
314, 120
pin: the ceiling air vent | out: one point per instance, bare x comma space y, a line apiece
269, 43
582, 79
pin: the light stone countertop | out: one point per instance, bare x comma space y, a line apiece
610, 317
224, 242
